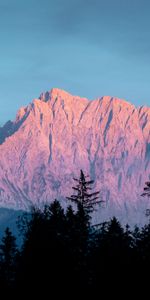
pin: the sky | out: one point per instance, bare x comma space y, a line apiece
89, 48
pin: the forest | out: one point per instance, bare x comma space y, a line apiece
64, 253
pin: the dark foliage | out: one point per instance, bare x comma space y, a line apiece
63, 254
146, 189
8, 260
83, 195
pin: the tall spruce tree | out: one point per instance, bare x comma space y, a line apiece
83, 195
85, 200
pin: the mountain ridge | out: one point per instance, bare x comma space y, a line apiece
57, 134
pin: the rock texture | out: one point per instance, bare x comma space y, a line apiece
58, 134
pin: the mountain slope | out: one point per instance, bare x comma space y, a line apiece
58, 134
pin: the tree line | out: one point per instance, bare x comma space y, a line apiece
63, 253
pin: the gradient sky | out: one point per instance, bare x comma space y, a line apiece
89, 48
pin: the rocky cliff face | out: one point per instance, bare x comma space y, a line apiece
58, 134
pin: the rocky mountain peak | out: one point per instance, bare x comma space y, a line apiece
58, 134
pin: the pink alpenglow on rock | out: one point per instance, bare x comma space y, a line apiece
58, 134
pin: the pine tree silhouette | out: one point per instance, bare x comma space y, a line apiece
146, 189
147, 193
84, 197
8, 256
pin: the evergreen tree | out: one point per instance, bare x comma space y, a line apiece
136, 236
83, 196
147, 193
86, 200
146, 189
44, 250
144, 244
128, 238
77, 230
8, 255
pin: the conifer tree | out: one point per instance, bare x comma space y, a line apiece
83, 195
146, 189
147, 193
8, 255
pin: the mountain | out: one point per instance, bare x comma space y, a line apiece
58, 134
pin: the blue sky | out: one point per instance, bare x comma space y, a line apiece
89, 48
